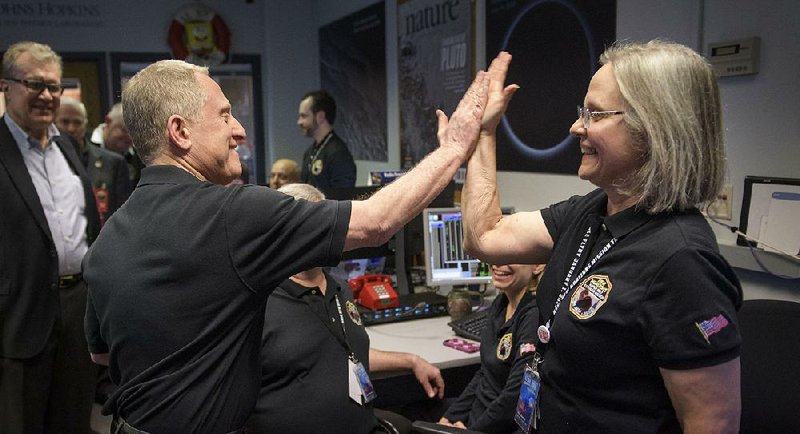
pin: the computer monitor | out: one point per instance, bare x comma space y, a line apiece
361, 193
446, 264
384, 259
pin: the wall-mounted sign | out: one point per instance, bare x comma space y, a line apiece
198, 35
39, 14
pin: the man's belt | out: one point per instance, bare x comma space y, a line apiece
69, 280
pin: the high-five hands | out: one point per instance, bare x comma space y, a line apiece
499, 96
460, 132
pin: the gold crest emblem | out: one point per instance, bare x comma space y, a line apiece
316, 167
590, 296
352, 312
504, 347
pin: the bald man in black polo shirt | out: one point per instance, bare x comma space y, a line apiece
197, 260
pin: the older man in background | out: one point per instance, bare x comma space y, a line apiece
108, 170
284, 171
114, 136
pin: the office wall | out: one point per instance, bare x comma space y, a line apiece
761, 130
118, 25
291, 51
762, 134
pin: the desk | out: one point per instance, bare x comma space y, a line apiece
424, 338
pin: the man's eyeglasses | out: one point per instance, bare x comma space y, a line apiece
588, 115
39, 86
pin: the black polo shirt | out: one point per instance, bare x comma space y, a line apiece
304, 369
178, 281
488, 402
662, 297
329, 166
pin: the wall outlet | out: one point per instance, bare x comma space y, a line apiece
722, 207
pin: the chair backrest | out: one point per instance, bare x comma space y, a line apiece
770, 360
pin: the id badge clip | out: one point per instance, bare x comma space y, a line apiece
528, 404
361, 390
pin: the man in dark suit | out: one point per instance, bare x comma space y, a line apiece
48, 220
107, 170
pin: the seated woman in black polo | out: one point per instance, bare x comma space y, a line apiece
312, 330
507, 344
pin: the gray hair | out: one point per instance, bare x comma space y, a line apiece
40, 53
115, 114
68, 101
303, 191
155, 93
674, 114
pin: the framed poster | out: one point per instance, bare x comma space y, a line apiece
556, 45
435, 64
352, 56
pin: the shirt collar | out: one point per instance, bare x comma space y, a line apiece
623, 222
527, 297
23, 139
296, 290
166, 174
324, 140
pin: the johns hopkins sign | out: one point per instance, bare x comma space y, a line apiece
28, 14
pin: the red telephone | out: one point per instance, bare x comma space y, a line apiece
374, 291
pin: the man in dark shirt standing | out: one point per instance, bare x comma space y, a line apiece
178, 279
327, 163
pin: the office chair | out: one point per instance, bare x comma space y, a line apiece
421, 427
770, 332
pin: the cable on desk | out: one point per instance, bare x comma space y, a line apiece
752, 243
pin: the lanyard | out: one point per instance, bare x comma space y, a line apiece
319, 149
544, 331
325, 320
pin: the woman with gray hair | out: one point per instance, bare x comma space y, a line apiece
637, 329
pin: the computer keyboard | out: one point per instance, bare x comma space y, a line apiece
471, 326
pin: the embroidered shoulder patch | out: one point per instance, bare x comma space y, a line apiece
590, 296
526, 348
712, 326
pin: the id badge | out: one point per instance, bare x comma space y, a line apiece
525, 415
361, 390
